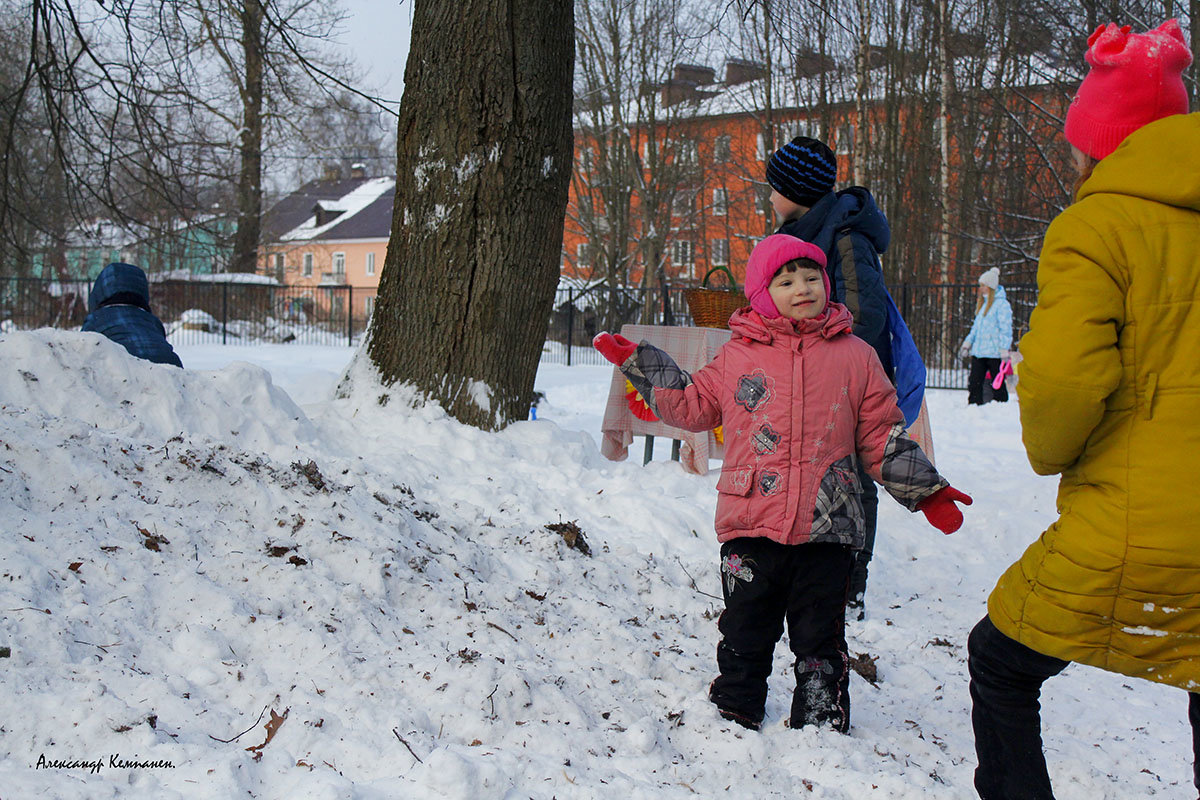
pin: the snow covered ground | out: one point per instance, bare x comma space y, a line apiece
284, 595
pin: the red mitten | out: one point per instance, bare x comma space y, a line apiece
616, 348
940, 510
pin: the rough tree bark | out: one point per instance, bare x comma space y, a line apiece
249, 189
483, 163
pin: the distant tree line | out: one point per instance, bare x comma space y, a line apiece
153, 115
949, 110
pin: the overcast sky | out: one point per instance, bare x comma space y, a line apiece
377, 31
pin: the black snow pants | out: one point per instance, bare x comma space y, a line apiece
765, 584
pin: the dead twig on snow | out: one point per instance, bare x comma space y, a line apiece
410, 750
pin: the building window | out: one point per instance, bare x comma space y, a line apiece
279, 266
308, 265
881, 198
583, 255
371, 265
339, 263
760, 148
686, 151
681, 253
683, 203
800, 127
723, 148
845, 140
718, 252
369, 306
720, 202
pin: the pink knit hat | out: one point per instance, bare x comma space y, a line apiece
765, 260
1135, 79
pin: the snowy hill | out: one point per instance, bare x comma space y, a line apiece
356, 599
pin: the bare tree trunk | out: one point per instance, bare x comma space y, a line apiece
483, 163
862, 68
944, 128
249, 189
823, 80
1194, 24
768, 125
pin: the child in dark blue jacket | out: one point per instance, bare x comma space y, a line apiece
119, 308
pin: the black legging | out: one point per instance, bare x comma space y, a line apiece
980, 369
1006, 681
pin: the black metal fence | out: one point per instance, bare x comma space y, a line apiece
939, 317
231, 313
202, 312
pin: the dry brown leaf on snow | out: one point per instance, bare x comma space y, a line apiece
272, 726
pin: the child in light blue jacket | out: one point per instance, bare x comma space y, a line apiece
990, 338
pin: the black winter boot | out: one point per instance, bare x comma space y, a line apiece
822, 695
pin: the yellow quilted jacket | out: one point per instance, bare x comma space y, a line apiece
1110, 398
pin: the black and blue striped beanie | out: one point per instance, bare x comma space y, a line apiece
804, 170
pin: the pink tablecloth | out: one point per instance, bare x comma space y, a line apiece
691, 348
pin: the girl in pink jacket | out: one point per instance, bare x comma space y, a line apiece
801, 401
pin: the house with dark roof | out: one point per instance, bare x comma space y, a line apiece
327, 240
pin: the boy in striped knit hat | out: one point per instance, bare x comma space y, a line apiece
849, 227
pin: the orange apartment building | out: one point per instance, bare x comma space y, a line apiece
714, 160
720, 210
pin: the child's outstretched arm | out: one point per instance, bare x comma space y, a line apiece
677, 398
898, 463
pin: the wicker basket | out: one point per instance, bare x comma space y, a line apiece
711, 308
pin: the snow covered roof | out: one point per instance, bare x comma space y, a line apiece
354, 208
100, 233
692, 100
216, 277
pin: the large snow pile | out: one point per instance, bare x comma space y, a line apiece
358, 599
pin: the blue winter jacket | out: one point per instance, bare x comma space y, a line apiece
119, 308
991, 333
853, 211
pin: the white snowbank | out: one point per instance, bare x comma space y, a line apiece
187, 553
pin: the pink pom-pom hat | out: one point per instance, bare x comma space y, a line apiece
1135, 78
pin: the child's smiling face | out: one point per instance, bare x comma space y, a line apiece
799, 294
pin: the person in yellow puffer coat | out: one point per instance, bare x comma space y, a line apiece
1109, 393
